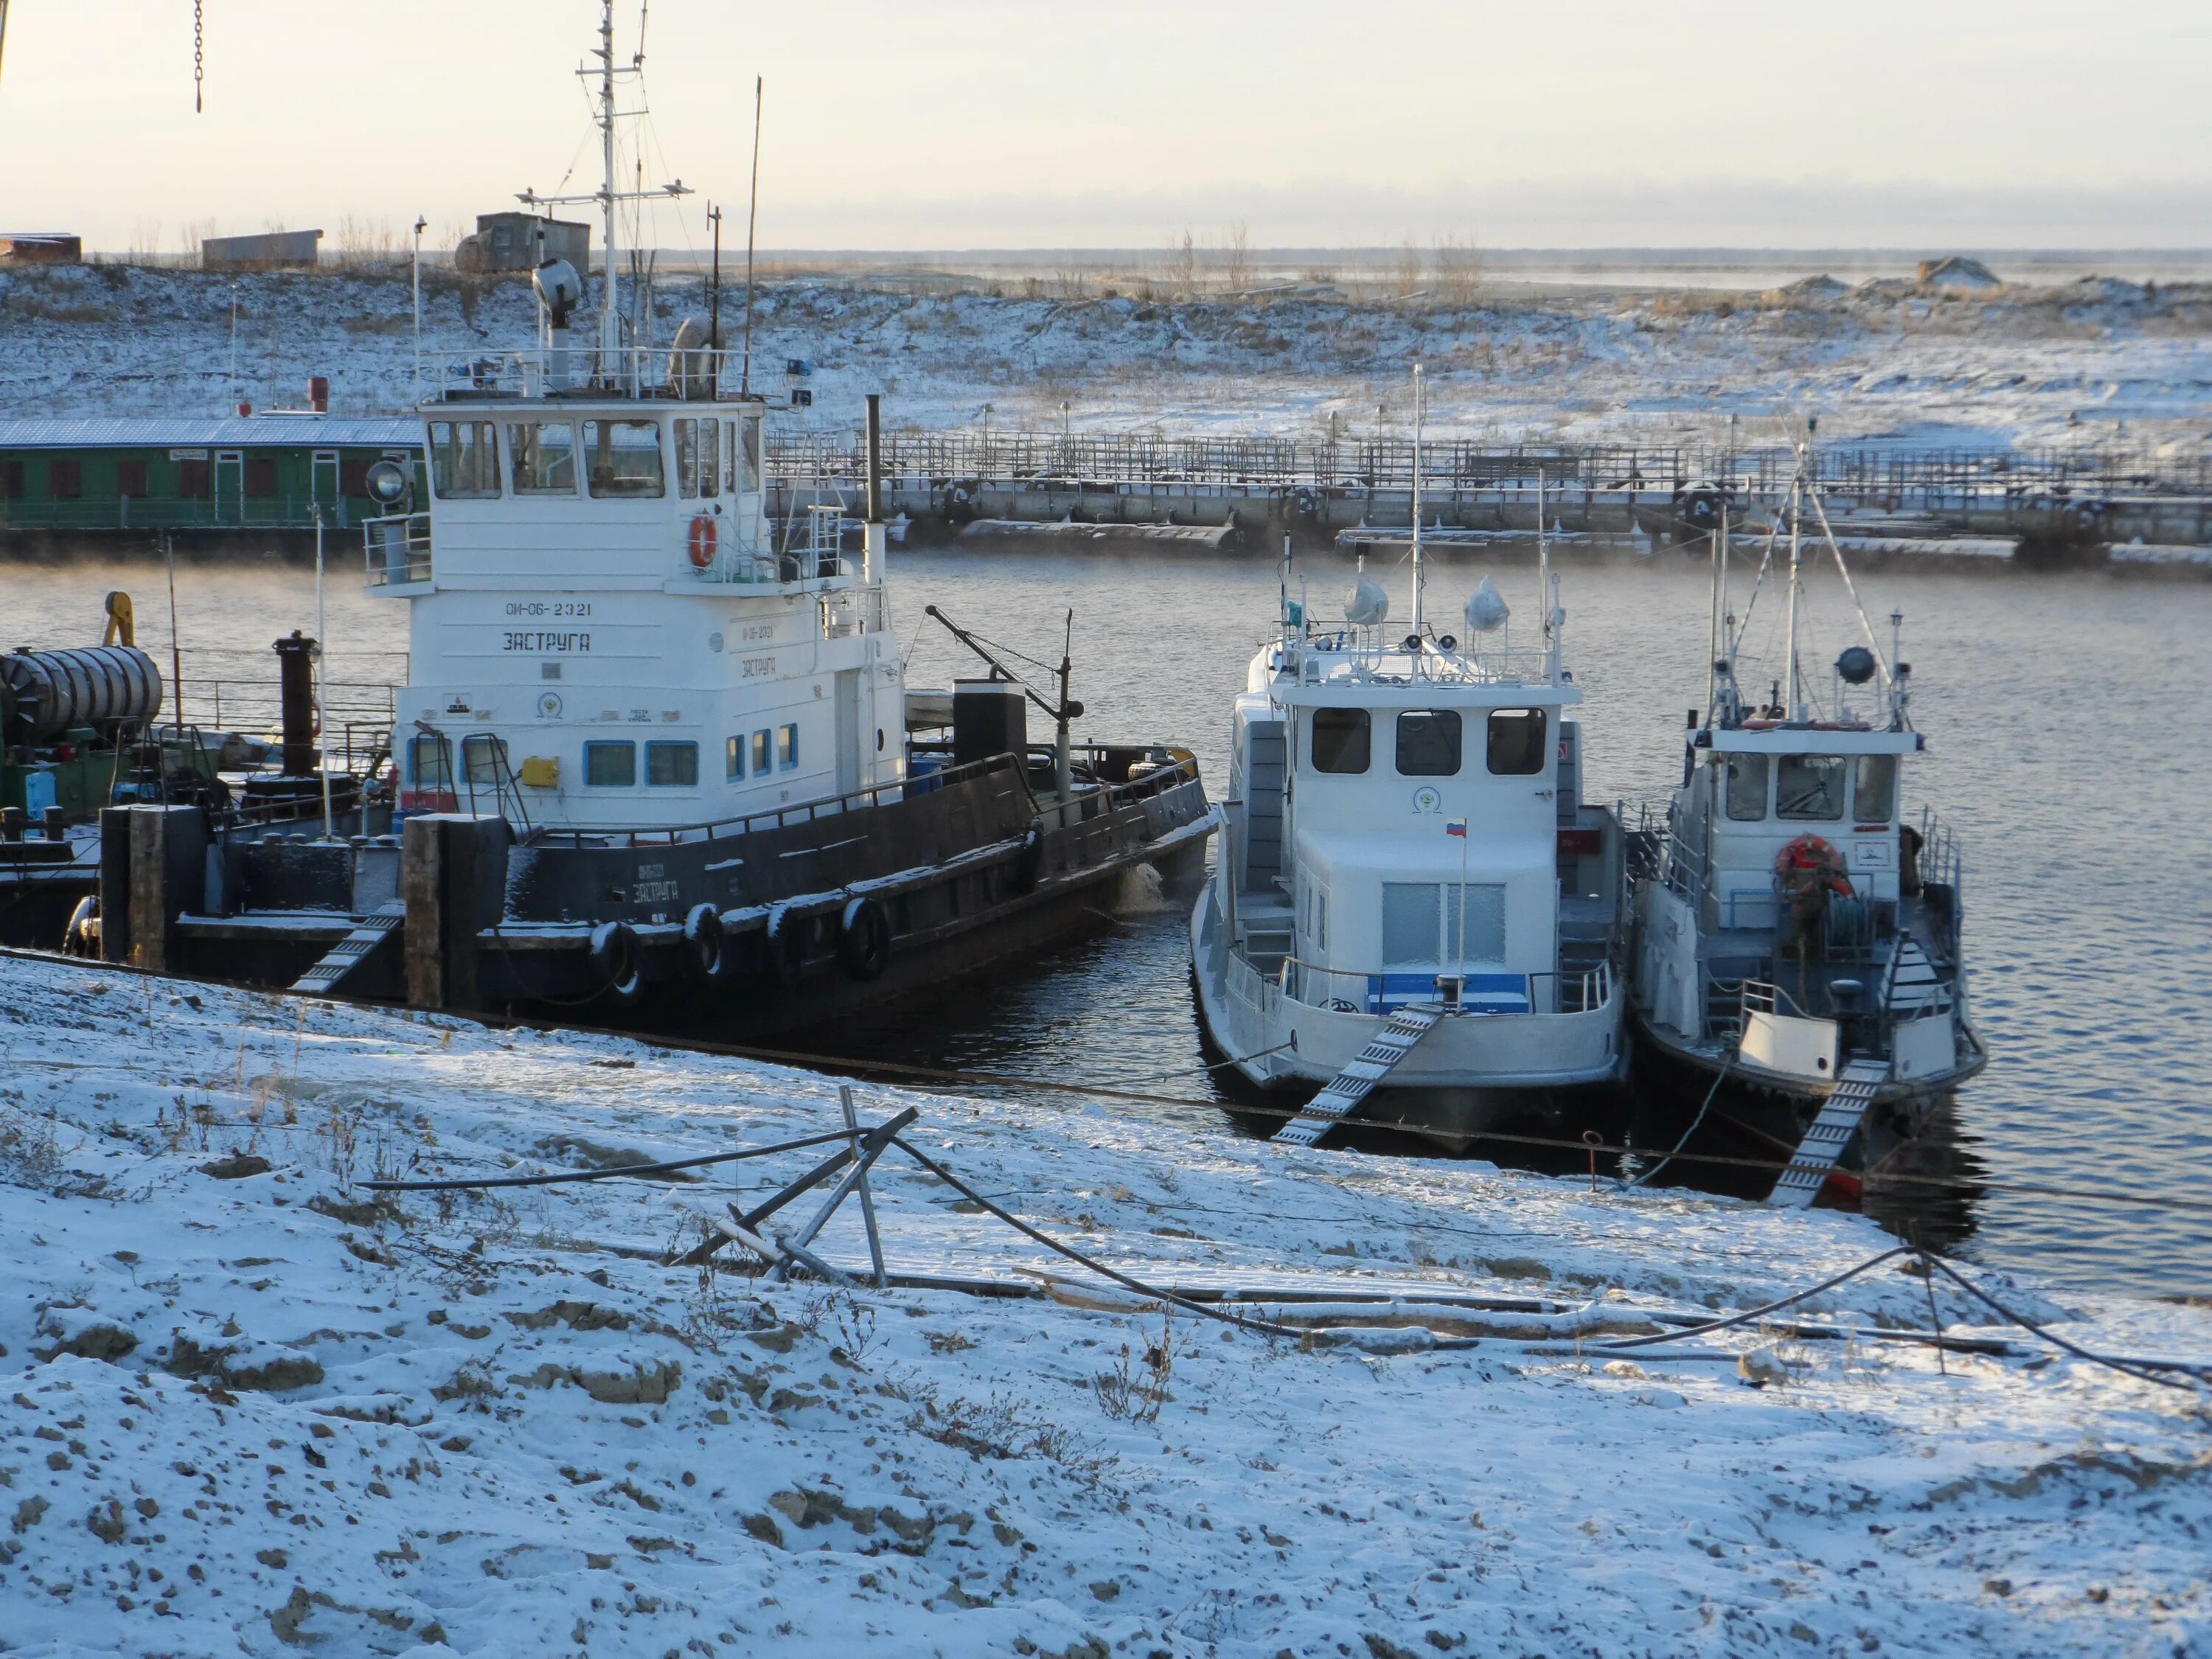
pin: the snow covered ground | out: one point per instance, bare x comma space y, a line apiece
261, 1413
2100, 361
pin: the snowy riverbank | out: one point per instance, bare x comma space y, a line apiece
2078, 365
258, 1412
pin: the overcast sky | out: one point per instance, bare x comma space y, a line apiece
894, 123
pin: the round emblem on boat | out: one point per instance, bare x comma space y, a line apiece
1426, 800
714, 642
548, 705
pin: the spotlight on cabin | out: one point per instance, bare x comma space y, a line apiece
1414, 644
1857, 665
390, 482
1446, 642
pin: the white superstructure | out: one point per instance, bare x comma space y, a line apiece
1405, 830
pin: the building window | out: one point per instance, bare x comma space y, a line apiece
1340, 739
261, 475
1746, 787
610, 765
698, 457
64, 479
1809, 788
463, 459
733, 759
430, 762
763, 755
544, 457
787, 747
131, 478
1875, 788
1516, 742
11, 481
624, 457
1428, 743
195, 480
671, 765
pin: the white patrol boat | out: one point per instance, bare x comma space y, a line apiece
1410, 891
652, 758
1797, 939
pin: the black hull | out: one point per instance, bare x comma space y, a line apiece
727, 933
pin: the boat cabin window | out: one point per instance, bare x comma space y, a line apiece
624, 457
698, 457
1809, 788
671, 765
745, 464
1428, 743
733, 759
430, 761
1340, 739
484, 760
1426, 924
763, 760
545, 454
610, 765
787, 747
1516, 742
1746, 787
463, 459
1873, 789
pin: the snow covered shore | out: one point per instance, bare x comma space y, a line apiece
2095, 363
254, 1410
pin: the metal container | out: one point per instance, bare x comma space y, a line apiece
51, 692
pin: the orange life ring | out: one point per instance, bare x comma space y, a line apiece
702, 541
1809, 864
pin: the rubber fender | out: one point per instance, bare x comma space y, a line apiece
1029, 863
82, 937
864, 939
702, 935
615, 953
786, 946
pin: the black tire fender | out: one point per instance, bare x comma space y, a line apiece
615, 953
1029, 863
702, 935
864, 939
786, 946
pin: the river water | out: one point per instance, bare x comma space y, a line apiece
2067, 720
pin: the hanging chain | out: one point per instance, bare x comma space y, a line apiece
199, 57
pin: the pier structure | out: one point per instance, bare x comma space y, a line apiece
1356, 491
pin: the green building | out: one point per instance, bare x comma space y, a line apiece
253, 473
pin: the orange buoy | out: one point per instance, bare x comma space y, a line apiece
703, 540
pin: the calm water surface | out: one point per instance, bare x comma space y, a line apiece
2069, 727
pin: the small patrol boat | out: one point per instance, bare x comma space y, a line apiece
1411, 892
1797, 964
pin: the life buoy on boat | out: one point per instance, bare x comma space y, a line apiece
703, 540
615, 954
1809, 864
703, 934
864, 939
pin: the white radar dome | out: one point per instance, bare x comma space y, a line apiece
1366, 605
1486, 609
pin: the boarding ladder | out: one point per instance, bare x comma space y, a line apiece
1398, 1038
1831, 1133
351, 951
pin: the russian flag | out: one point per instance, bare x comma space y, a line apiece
1455, 827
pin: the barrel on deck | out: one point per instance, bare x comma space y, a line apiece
51, 692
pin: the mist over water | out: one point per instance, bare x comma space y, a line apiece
2065, 716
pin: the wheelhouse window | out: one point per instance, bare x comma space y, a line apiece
698, 457
1874, 788
610, 765
430, 762
464, 460
1809, 788
1340, 739
745, 463
1516, 742
544, 457
1746, 787
671, 765
623, 458
484, 761
1428, 743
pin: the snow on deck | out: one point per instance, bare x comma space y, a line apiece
259, 1412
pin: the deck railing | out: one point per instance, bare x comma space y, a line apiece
397, 549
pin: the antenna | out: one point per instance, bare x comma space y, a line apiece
753, 209
1418, 412
1543, 580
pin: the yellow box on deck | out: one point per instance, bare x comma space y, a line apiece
542, 772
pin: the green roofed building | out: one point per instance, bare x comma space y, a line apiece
249, 472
